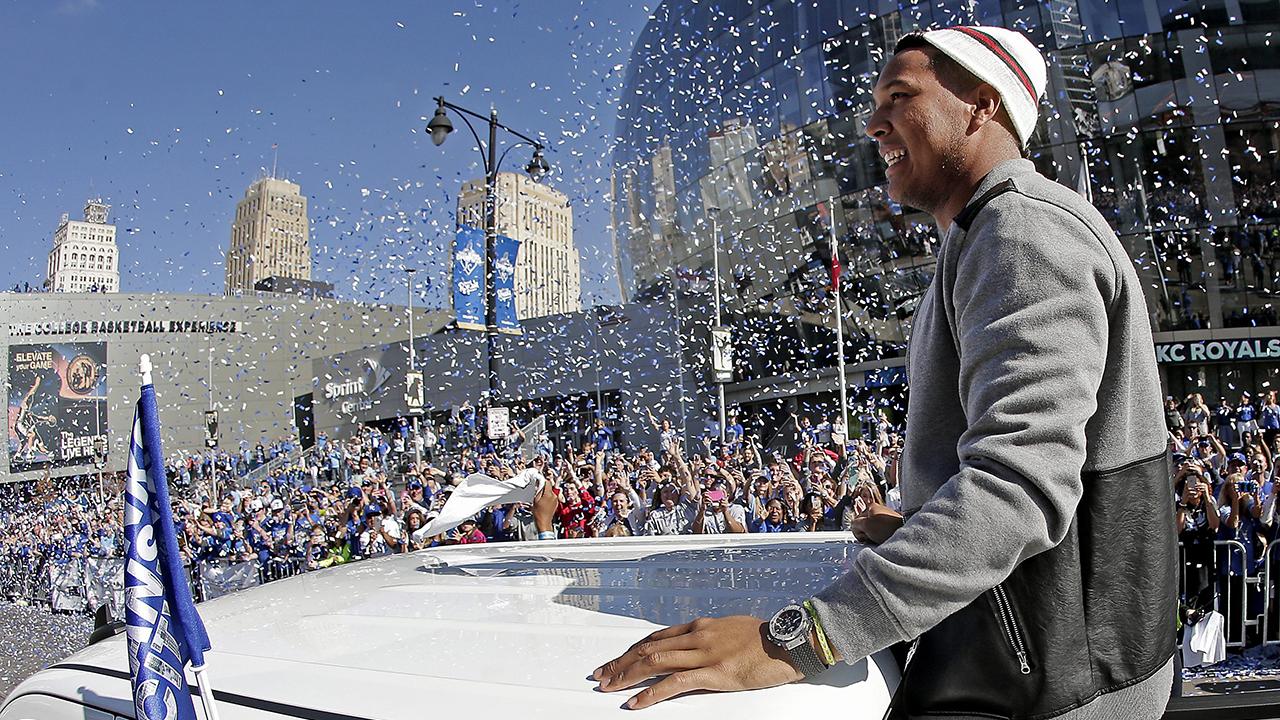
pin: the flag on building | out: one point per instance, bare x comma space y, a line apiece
163, 628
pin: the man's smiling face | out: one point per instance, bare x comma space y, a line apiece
920, 126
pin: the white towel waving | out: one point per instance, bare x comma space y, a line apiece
479, 491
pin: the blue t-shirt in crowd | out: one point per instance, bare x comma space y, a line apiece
603, 438
1244, 413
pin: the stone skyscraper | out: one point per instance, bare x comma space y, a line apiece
270, 237
548, 278
84, 256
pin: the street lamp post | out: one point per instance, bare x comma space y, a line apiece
100, 461
440, 127
417, 448
213, 445
678, 346
715, 265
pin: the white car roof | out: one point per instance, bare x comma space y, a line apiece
494, 627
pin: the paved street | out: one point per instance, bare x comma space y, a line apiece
32, 637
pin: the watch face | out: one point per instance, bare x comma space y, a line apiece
787, 623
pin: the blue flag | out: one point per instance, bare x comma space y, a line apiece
164, 630
468, 278
504, 268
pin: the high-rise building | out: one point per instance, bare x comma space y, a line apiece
548, 278
270, 236
84, 257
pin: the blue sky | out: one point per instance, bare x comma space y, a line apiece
168, 111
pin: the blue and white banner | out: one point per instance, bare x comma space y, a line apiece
164, 630
506, 250
468, 278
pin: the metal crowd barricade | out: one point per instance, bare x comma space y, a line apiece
1270, 603
220, 577
1233, 588
279, 568
1230, 600
66, 585
41, 590
18, 577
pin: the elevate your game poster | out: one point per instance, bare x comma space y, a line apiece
57, 404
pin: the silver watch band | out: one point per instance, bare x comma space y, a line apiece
806, 660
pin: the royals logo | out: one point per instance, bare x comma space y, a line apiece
469, 260
504, 267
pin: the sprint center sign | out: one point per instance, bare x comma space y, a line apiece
360, 386
1218, 350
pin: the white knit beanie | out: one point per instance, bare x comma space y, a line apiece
1005, 60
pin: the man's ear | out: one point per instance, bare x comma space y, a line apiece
987, 104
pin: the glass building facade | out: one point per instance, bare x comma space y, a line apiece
741, 128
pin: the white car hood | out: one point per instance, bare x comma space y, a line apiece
496, 627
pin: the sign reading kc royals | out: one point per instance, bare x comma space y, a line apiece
468, 278
1218, 350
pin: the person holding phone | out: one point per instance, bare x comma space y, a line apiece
718, 515
673, 507
1240, 511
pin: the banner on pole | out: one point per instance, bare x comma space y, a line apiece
414, 398
468, 278
499, 423
533, 433
722, 354
506, 250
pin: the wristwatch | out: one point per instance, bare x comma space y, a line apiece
789, 629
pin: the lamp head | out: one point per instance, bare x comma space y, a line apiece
538, 167
440, 125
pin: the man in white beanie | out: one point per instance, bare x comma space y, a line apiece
1036, 566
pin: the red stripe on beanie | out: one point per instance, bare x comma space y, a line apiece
994, 46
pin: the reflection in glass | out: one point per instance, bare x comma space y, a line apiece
1163, 112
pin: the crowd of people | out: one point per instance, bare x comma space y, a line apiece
365, 496
1224, 472
340, 503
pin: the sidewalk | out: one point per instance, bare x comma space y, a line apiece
1256, 669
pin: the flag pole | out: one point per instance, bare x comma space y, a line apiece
206, 692
202, 679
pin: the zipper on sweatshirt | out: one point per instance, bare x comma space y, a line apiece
902, 681
1012, 633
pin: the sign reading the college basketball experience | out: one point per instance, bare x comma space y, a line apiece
125, 327
57, 404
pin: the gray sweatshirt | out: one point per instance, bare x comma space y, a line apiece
1030, 362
